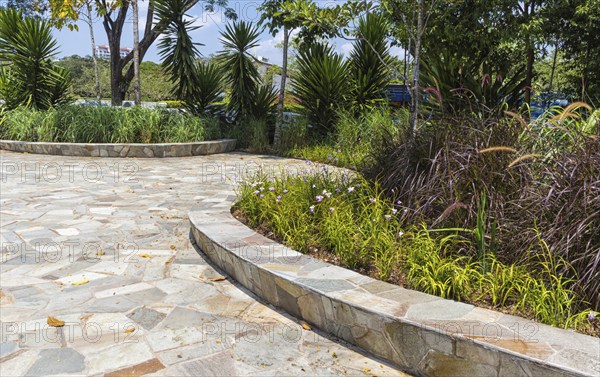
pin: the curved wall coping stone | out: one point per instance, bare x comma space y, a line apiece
420, 333
121, 150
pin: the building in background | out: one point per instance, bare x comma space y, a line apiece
103, 51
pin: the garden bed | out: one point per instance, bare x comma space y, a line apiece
419, 333
348, 222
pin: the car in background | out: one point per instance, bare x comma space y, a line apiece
547, 100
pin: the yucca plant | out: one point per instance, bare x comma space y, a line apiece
28, 77
197, 84
242, 75
369, 60
321, 85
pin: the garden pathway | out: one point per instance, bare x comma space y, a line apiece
103, 245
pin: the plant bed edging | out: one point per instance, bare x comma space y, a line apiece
420, 333
158, 150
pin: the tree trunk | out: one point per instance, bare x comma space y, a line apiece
94, 57
529, 13
414, 106
136, 54
553, 67
284, 66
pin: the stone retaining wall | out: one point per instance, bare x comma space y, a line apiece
121, 150
420, 333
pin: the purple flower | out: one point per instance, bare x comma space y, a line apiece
350, 189
271, 189
400, 234
399, 202
285, 191
388, 217
372, 200
278, 198
331, 209
262, 196
338, 190
394, 211
312, 209
256, 192
591, 317
329, 157
335, 160
262, 189
319, 198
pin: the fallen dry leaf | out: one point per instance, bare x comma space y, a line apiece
80, 282
129, 330
2, 293
172, 247
218, 278
55, 322
100, 253
144, 255
305, 325
170, 260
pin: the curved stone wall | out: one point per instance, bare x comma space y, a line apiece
121, 150
420, 333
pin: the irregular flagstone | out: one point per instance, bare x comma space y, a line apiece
156, 316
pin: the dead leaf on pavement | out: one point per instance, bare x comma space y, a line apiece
305, 325
144, 255
218, 278
172, 247
55, 322
129, 330
100, 253
80, 282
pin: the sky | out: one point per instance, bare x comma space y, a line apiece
212, 23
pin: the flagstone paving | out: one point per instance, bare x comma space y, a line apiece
103, 245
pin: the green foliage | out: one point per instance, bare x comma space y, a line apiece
321, 85
242, 75
494, 180
81, 124
457, 85
155, 83
349, 219
355, 140
199, 85
29, 78
369, 62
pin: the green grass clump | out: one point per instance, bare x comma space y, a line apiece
318, 208
85, 124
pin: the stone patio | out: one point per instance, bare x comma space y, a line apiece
104, 246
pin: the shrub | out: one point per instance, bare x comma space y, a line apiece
30, 78
500, 181
321, 86
84, 124
347, 220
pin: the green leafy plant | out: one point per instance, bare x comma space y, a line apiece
238, 39
321, 86
28, 76
369, 61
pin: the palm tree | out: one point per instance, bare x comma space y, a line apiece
238, 39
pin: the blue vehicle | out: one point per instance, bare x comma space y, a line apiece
547, 100
398, 94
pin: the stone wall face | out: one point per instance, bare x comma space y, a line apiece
121, 150
422, 334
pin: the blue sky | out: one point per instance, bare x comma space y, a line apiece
78, 42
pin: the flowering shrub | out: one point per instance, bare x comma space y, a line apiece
318, 208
